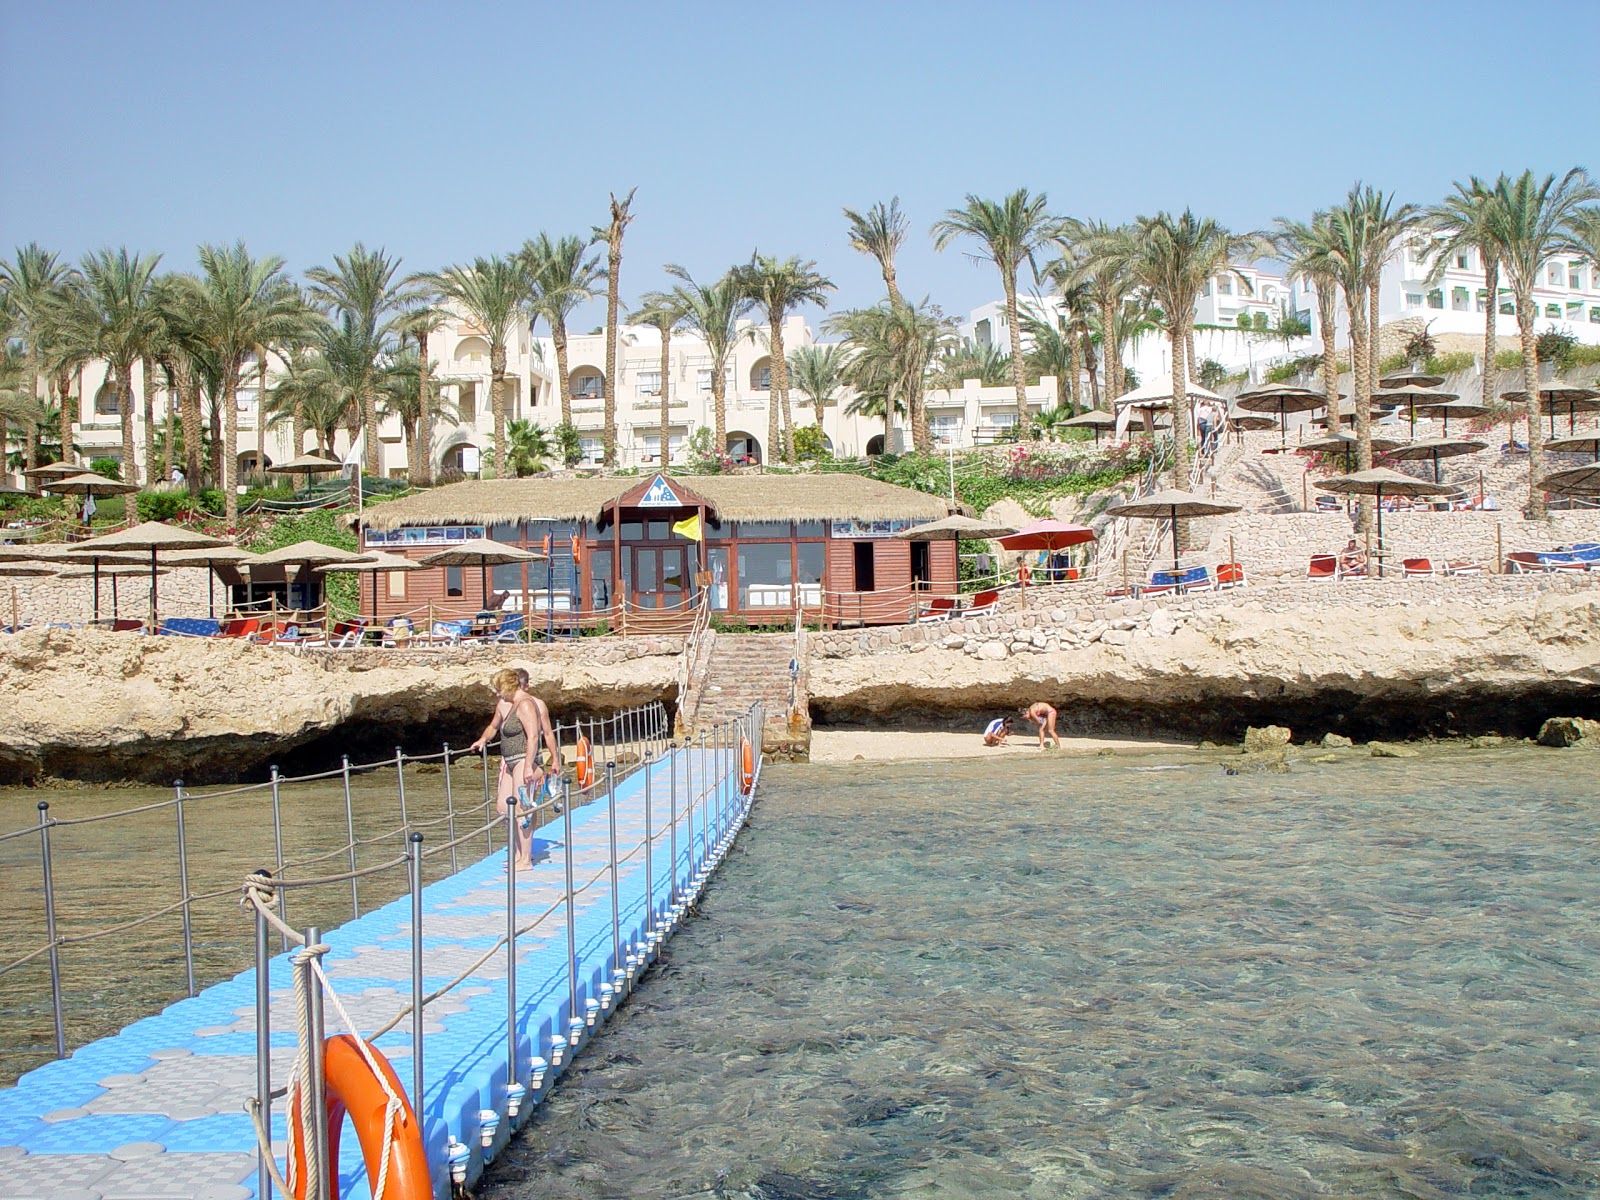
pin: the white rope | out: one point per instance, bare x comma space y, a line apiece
394, 1104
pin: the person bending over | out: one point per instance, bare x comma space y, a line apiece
1042, 715
997, 731
519, 717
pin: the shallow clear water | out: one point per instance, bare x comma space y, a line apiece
1070, 978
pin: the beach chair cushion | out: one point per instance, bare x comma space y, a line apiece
190, 627
1416, 566
1322, 566
1231, 575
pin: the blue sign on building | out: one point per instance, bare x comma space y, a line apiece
660, 495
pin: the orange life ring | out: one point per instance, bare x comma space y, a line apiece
583, 763
353, 1089
747, 766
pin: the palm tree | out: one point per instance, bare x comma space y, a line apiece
1010, 232
310, 394
777, 286
663, 312
561, 275
423, 317
1053, 350
1303, 247
527, 449
410, 394
818, 371
1092, 258
1465, 219
492, 292
713, 311
1531, 220
880, 232
34, 278
363, 293
891, 349
238, 304
1172, 258
968, 359
611, 235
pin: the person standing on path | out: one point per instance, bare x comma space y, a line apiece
519, 716
1044, 717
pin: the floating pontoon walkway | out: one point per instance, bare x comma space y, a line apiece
158, 1110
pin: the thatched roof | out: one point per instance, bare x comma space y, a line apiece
731, 497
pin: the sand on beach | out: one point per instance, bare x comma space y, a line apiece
899, 745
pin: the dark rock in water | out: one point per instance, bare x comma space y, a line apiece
1265, 762
1266, 737
1569, 731
1388, 750
1489, 741
1336, 741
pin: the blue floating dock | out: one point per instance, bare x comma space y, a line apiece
158, 1109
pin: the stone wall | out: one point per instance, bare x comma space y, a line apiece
51, 599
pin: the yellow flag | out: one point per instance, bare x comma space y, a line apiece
689, 527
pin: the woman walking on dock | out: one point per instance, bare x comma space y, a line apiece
519, 716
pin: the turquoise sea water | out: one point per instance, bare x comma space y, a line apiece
1116, 978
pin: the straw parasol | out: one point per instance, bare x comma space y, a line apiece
1556, 398
1573, 481
1411, 395
21, 570
306, 556
7, 489
1400, 379
1094, 419
955, 527
1446, 409
55, 470
1346, 443
56, 554
211, 560
1582, 444
485, 554
150, 536
88, 485
1252, 421
1283, 399
1169, 505
307, 465
1379, 482
1435, 448
378, 562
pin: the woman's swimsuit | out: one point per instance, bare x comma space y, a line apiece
513, 739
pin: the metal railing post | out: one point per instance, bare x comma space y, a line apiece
616, 883
572, 921
450, 808
350, 836
263, 1049
672, 823
688, 809
400, 776
511, 943
649, 854
48, 871
314, 1105
488, 833
416, 977
277, 840
183, 884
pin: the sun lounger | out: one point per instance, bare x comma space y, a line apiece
1323, 566
1196, 579
1464, 568
1231, 575
982, 604
1328, 504
1525, 562
1161, 582
189, 627
1416, 566
240, 627
939, 608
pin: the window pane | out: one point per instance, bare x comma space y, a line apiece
633, 531
507, 577
810, 529
812, 557
452, 581
763, 529
644, 570
509, 531
764, 576
660, 531
717, 564
600, 579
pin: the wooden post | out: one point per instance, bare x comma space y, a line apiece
1231, 556
1499, 554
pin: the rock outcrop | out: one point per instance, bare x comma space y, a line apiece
90, 704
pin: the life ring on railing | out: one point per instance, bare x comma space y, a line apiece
747, 766
354, 1089
583, 763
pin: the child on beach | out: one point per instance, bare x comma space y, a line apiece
996, 732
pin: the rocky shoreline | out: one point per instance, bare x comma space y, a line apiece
1390, 662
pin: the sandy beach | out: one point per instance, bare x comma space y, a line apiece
896, 745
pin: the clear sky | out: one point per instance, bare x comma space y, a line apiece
448, 130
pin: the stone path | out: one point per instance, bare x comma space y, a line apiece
156, 1111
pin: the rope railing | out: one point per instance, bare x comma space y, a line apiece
628, 736
720, 811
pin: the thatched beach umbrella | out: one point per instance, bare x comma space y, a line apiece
1581, 444
7, 490
1093, 419
955, 527
1434, 448
229, 556
1412, 396
1400, 379
1380, 482
307, 465
1169, 505
150, 537
379, 563
1346, 443
1558, 399
1446, 409
14, 571
56, 470
1574, 481
1252, 421
1283, 399
88, 485
305, 556
485, 554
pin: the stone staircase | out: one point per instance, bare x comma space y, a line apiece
745, 668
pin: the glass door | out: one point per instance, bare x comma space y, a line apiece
660, 576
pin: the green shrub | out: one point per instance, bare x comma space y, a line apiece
109, 467
162, 506
809, 443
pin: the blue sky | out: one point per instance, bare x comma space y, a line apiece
444, 131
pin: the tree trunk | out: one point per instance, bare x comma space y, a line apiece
261, 414
1091, 368
890, 284
148, 369
719, 407
1072, 375
1326, 325
1360, 397
217, 421
1374, 348
558, 334
1180, 423
1530, 383
497, 402
1018, 378
230, 442
1109, 358
1194, 371
614, 265
780, 383
1491, 343
189, 411
664, 451
917, 407
130, 463
30, 428
774, 412
421, 459
369, 421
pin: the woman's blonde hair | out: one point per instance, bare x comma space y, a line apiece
507, 681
